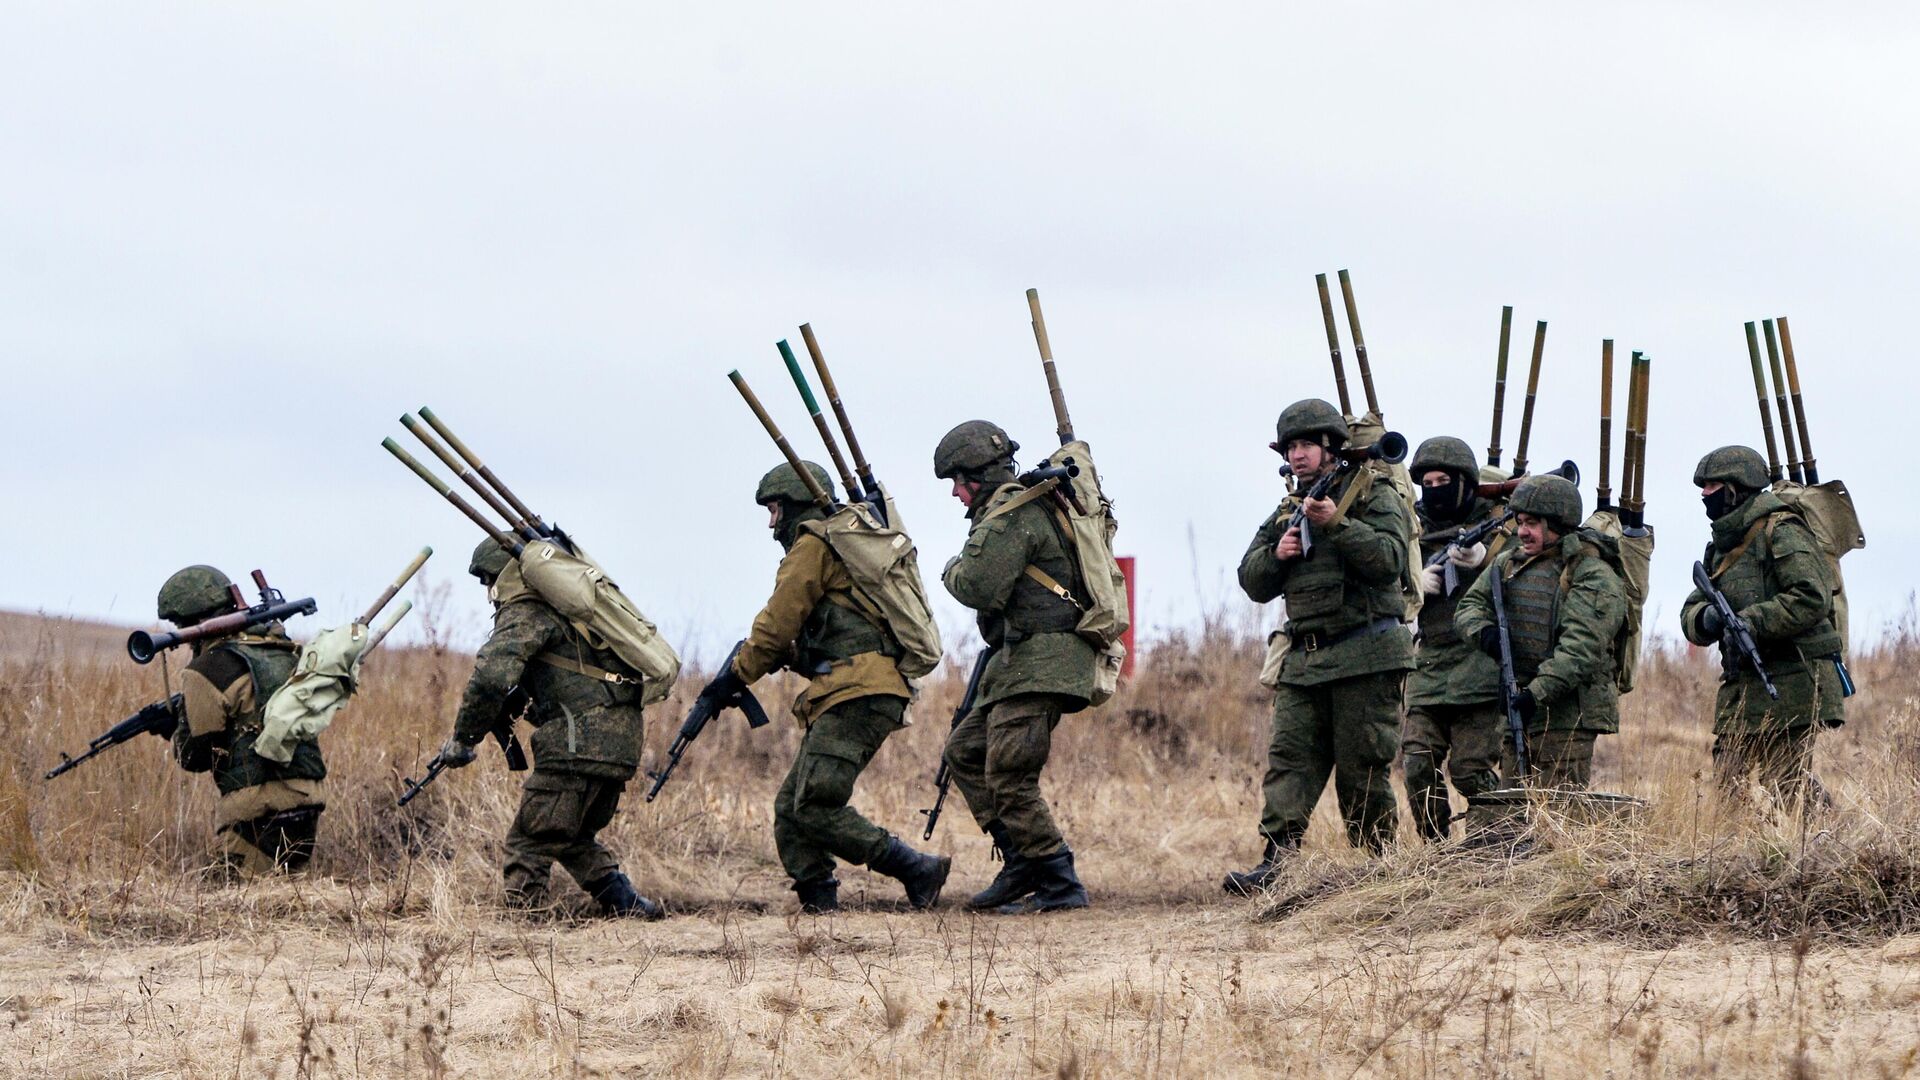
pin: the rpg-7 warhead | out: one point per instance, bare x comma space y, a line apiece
272, 608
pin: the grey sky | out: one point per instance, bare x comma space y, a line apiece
236, 241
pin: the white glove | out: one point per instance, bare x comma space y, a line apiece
1432, 579
1467, 558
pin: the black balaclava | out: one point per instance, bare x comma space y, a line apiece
1448, 502
1724, 501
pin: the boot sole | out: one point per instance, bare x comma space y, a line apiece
946, 868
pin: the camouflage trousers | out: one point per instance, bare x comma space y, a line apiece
1465, 740
1781, 761
560, 818
1555, 759
269, 827
812, 823
995, 756
1349, 729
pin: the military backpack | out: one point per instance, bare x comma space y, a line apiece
885, 567
575, 586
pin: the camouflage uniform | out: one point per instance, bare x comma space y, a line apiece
855, 697
1565, 610
269, 813
1041, 668
1765, 560
1453, 696
586, 743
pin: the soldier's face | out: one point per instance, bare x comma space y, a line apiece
1710, 487
1306, 457
1535, 534
966, 491
773, 515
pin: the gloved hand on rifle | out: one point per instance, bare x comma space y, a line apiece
1489, 641
1526, 705
1467, 558
1711, 624
1433, 580
725, 687
455, 754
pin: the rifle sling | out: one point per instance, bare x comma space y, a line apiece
597, 674
1753, 532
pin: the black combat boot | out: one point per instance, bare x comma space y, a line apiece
922, 875
616, 896
1015, 879
818, 897
1055, 886
1262, 875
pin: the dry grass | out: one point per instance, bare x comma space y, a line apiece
1705, 938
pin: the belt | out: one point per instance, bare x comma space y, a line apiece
1314, 642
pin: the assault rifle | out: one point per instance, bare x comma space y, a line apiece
705, 708
511, 707
1391, 448
943, 779
1509, 681
1736, 629
1494, 524
273, 607
159, 718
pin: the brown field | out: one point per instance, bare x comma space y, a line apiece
1709, 937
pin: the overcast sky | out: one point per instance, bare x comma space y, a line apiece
237, 241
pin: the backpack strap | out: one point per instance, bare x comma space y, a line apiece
1047, 582
1360, 485
1766, 525
1016, 502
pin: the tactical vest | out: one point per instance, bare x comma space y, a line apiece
270, 663
1436, 615
1322, 598
572, 674
1533, 599
837, 630
1746, 576
1032, 608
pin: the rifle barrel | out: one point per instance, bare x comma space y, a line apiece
820, 495
504, 539
1500, 385
1359, 346
1063, 424
1799, 406
1794, 471
839, 411
1533, 389
1760, 398
1333, 344
393, 590
1604, 491
486, 474
847, 481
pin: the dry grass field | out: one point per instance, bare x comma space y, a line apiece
1708, 937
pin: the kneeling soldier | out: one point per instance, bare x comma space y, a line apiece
1565, 609
268, 813
816, 624
1765, 561
584, 704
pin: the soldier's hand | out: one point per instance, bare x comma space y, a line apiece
1467, 558
1433, 579
1320, 511
1289, 546
1489, 640
455, 754
1526, 705
1712, 626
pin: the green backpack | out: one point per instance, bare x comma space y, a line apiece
576, 587
885, 567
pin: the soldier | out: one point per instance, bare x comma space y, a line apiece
268, 813
1337, 708
584, 704
855, 697
1765, 560
1453, 695
1566, 606
1040, 671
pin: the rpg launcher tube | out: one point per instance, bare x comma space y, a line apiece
143, 646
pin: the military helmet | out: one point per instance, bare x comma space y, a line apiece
489, 559
1554, 498
195, 593
781, 482
973, 445
1740, 466
1445, 452
1304, 419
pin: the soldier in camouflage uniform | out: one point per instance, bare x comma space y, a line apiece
1453, 696
1041, 668
855, 697
1337, 709
1765, 560
584, 704
268, 813
1566, 607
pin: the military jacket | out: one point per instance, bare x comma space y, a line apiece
226, 687
1039, 651
1579, 605
1772, 571
583, 725
1348, 585
1447, 668
813, 624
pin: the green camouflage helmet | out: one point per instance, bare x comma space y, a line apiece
1740, 466
783, 483
973, 445
489, 558
1554, 498
195, 593
1305, 419
1447, 453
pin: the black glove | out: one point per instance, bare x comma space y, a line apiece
726, 685
1712, 626
1526, 705
1489, 640
455, 754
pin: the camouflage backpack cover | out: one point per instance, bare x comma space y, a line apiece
1827, 509
885, 567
